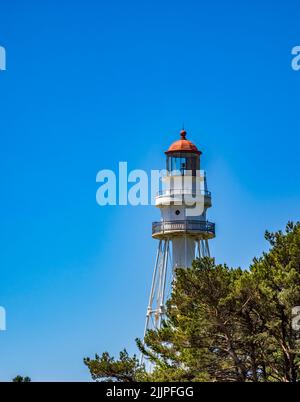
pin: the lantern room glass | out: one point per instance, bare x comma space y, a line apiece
185, 163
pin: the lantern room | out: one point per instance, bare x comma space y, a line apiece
183, 156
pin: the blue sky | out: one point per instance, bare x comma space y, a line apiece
92, 83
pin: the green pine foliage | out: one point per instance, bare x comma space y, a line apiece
106, 368
224, 324
19, 378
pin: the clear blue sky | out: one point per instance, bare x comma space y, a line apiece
92, 83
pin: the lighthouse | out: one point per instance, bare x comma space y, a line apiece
183, 232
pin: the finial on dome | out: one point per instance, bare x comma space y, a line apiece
183, 134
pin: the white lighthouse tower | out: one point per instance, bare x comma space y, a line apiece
183, 231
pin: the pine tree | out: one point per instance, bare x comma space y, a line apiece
224, 324
106, 368
19, 378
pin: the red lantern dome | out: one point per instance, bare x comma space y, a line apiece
183, 145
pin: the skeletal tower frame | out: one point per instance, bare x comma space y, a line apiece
163, 269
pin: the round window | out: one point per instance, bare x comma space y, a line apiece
177, 212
